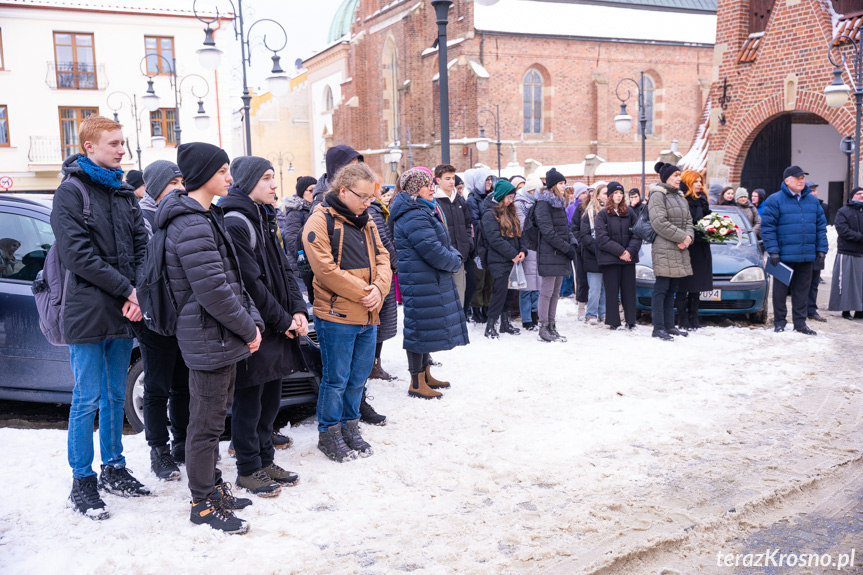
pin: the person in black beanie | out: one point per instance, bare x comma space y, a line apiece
218, 324
292, 217
459, 185
135, 178
268, 278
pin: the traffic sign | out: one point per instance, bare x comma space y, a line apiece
5, 182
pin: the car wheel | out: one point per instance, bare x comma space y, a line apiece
759, 316
135, 396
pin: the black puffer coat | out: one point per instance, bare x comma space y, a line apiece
291, 221
587, 243
458, 222
268, 279
613, 236
552, 253
699, 251
389, 310
219, 317
501, 249
104, 257
849, 229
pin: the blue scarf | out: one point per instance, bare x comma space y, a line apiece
435, 208
110, 178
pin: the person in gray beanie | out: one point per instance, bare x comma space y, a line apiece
247, 170
159, 178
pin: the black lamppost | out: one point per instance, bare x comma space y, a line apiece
280, 157
133, 100
151, 100
482, 143
837, 92
210, 57
623, 121
441, 8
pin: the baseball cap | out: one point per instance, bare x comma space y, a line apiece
794, 172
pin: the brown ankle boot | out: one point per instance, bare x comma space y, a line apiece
419, 387
379, 373
432, 382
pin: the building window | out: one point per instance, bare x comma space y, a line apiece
74, 61
162, 123
156, 46
532, 102
328, 99
4, 127
649, 89
70, 120
2, 60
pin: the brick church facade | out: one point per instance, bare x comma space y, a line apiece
553, 81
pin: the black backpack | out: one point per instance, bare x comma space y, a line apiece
154, 293
643, 229
530, 233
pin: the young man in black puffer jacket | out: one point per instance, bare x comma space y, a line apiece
217, 323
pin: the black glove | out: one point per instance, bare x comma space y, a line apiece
571, 253
774, 259
819, 260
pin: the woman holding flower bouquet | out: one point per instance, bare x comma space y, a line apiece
689, 291
670, 218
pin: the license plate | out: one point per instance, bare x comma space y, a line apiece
712, 295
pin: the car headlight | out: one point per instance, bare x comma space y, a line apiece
644, 273
751, 274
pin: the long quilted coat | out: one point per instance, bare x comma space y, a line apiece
794, 229
433, 315
673, 222
219, 318
523, 201
389, 310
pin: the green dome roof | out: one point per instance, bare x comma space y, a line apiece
341, 24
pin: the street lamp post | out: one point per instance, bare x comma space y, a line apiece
280, 157
482, 143
210, 57
837, 92
441, 8
623, 121
151, 100
133, 100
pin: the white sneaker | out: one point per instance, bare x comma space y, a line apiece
591, 321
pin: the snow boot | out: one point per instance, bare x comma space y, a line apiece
333, 445
582, 310
552, 326
229, 501
259, 483
379, 373
368, 414
534, 317
212, 512
119, 481
490, 331
162, 464
545, 333
85, 499
476, 314
353, 439
281, 441
433, 382
178, 452
419, 387
506, 327
281, 476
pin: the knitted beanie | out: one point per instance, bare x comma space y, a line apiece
553, 177
502, 189
199, 161
247, 171
304, 182
158, 175
665, 171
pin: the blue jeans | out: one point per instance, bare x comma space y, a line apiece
527, 303
347, 354
100, 384
595, 296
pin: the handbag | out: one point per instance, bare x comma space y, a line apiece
517, 279
643, 229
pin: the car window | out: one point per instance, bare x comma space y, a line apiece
24, 242
741, 222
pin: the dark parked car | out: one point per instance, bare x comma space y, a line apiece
740, 284
31, 369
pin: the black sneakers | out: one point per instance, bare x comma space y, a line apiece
353, 439
259, 483
281, 476
163, 465
214, 513
85, 498
368, 413
119, 481
333, 445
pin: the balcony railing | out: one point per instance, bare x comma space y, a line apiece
76, 76
46, 150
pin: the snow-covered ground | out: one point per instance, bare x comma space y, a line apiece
562, 456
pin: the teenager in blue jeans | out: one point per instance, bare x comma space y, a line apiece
103, 251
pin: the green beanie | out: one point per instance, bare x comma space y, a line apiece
502, 189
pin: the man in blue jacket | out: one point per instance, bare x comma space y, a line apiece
794, 230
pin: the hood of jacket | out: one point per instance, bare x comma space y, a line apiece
296, 203
148, 203
475, 181
176, 204
664, 189
439, 193
523, 196
339, 156
553, 199
238, 201
71, 168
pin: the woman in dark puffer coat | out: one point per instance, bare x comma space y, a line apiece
617, 254
293, 217
433, 315
389, 311
689, 290
554, 254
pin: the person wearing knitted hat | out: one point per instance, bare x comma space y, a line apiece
292, 216
459, 185
433, 314
688, 297
502, 232
135, 178
518, 182
672, 221
217, 324
528, 298
741, 198
160, 177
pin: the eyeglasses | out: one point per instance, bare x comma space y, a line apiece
365, 199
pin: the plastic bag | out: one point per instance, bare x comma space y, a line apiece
516, 277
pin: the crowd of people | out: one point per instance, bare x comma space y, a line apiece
236, 258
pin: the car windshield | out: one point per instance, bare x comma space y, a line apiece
740, 221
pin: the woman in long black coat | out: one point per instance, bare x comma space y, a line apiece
688, 296
617, 253
389, 309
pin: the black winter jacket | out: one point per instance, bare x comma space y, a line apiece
552, 253
849, 228
268, 279
458, 222
501, 250
613, 236
104, 257
291, 222
587, 243
389, 309
219, 318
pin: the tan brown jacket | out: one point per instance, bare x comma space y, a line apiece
362, 261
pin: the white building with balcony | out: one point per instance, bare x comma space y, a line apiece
62, 60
